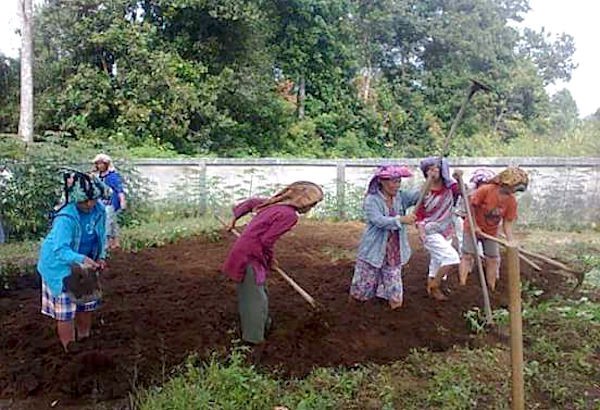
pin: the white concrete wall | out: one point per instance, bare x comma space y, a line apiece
562, 191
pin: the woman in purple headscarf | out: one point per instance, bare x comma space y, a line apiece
384, 246
435, 224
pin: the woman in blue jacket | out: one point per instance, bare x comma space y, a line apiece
384, 246
115, 203
77, 237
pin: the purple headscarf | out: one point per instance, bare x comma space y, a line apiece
387, 172
482, 176
444, 169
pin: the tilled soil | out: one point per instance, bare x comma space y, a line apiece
163, 304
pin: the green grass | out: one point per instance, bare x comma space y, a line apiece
159, 233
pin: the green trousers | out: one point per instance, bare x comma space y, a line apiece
253, 306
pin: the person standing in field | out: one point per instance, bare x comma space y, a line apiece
493, 204
5, 177
479, 177
117, 202
384, 247
435, 224
76, 239
251, 257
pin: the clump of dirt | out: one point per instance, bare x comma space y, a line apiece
162, 304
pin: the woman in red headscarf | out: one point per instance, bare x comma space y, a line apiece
384, 245
251, 256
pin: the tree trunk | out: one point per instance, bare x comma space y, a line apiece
367, 84
301, 97
26, 115
497, 121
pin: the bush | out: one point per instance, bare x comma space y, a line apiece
36, 184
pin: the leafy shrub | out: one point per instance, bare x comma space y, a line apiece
36, 184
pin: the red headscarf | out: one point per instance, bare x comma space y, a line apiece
387, 172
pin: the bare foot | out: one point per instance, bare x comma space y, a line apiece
491, 280
462, 277
430, 285
437, 294
396, 304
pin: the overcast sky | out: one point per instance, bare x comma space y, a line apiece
576, 17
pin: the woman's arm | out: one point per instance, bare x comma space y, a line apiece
375, 215
63, 231
243, 208
507, 227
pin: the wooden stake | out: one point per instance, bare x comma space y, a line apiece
484, 289
516, 329
305, 295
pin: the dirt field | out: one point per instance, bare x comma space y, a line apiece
163, 304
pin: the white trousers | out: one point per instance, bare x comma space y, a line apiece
441, 251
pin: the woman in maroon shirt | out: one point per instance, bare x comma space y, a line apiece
251, 256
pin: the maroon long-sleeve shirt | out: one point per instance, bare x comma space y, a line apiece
255, 245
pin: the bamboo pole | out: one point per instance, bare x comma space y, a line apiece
546, 259
516, 329
424, 190
305, 295
482, 280
473, 88
529, 262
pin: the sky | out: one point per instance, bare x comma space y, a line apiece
578, 18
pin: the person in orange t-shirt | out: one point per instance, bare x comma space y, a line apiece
493, 204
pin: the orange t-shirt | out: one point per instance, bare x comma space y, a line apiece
490, 207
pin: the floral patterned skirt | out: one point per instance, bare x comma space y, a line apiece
384, 282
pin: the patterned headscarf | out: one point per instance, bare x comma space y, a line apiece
513, 177
300, 194
387, 172
481, 176
444, 169
86, 187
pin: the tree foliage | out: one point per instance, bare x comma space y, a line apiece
289, 77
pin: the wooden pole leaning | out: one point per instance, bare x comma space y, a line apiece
474, 87
530, 262
516, 329
484, 289
546, 259
305, 295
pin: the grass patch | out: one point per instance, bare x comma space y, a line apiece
159, 233
337, 253
232, 384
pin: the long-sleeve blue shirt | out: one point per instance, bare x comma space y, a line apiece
372, 246
60, 248
115, 183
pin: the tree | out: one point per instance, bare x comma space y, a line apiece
26, 116
564, 115
554, 59
9, 94
293, 77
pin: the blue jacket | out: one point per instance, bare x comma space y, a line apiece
59, 249
115, 183
372, 247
